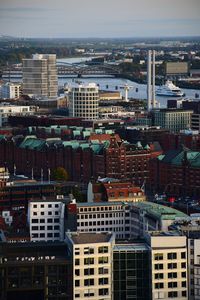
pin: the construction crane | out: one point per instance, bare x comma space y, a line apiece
125, 87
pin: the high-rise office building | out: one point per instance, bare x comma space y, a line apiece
40, 76
84, 101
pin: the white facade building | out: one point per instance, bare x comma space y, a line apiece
92, 265
46, 220
126, 220
84, 101
40, 76
104, 217
168, 265
11, 90
7, 110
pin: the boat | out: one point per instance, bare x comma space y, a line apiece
169, 89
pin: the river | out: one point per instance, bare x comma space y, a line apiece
137, 91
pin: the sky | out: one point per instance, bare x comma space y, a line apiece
99, 18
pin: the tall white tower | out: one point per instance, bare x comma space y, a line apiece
149, 93
151, 102
40, 76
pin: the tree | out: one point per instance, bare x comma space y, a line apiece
60, 174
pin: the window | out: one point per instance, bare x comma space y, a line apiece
77, 272
183, 274
56, 220
77, 262
77, 282
42, 205
42, 220
103, 249
49, 235
77, 295
49, 227
172, 275
35, 213
184, 293
49, 220
183, 265
34, 220
88, 282
49, 205
173, 294
159, 285
172, 284
171, 255
183, 255
88, 250
103, 260
57, 227
183, 284
89, 271
158, 266
172, 266
34, 227
42, 227
34, 205
88, 261
103, 292
103, 281
103, 271
49, 213
159, 276
158, 256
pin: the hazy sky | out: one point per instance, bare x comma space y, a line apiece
99, 18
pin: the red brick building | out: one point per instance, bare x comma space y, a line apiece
82, 160
176, 173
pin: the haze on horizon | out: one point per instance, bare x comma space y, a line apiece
99, 18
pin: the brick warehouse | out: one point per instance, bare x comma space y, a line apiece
176, 173
82, 160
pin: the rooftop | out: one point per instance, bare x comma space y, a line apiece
135, 247
90, 238
160, 211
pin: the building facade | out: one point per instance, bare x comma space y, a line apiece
92, 265
168, 265
84, 101
40, 76
46, 220
173, 119
11, 90
131, 271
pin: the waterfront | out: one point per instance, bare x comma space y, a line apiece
137, 91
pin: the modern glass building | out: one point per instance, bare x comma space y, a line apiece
131, 272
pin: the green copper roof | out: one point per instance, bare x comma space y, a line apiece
161, 211
32, 143
2, 137
176, 157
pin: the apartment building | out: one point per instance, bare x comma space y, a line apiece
173, 119
40, 76
84, 101
126, 220
46, 220
7, 110
11, 90
104, 217
168, 265
92, 265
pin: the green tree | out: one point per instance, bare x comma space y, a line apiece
60, 174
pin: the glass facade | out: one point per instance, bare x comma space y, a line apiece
131, 278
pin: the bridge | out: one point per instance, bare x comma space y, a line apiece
89, 69
67, 69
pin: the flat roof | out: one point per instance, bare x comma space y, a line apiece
89, 238
131, 247
165, 233
90, 204
161, 211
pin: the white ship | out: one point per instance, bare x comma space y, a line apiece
169, 89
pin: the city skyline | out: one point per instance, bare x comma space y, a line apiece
105, 19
